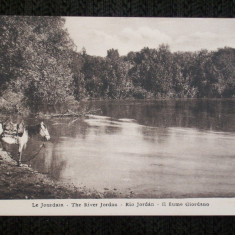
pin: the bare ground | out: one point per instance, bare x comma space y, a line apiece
26, 183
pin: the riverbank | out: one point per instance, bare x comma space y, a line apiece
26, 183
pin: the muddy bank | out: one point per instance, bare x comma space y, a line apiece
25, 183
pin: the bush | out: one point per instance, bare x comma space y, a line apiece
12, 102
139, 93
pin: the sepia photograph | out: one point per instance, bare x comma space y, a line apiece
116, 108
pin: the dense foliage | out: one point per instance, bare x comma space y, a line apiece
35, 59
157, 73
39, 64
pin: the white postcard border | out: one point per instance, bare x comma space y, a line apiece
85, 207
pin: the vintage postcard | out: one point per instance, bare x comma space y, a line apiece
117, 116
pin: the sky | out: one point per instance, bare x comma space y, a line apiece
99, 34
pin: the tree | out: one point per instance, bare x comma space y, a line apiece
48, 58
78, 60
182, 75
153, 70
11, 52
38, 57
224, 66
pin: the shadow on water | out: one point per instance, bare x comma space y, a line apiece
201, 113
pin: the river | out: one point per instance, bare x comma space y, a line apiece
145, 149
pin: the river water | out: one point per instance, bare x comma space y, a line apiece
145, 149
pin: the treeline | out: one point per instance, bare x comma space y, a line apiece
156, 73
39, 64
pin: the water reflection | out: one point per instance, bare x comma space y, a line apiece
156, 149
202, 114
